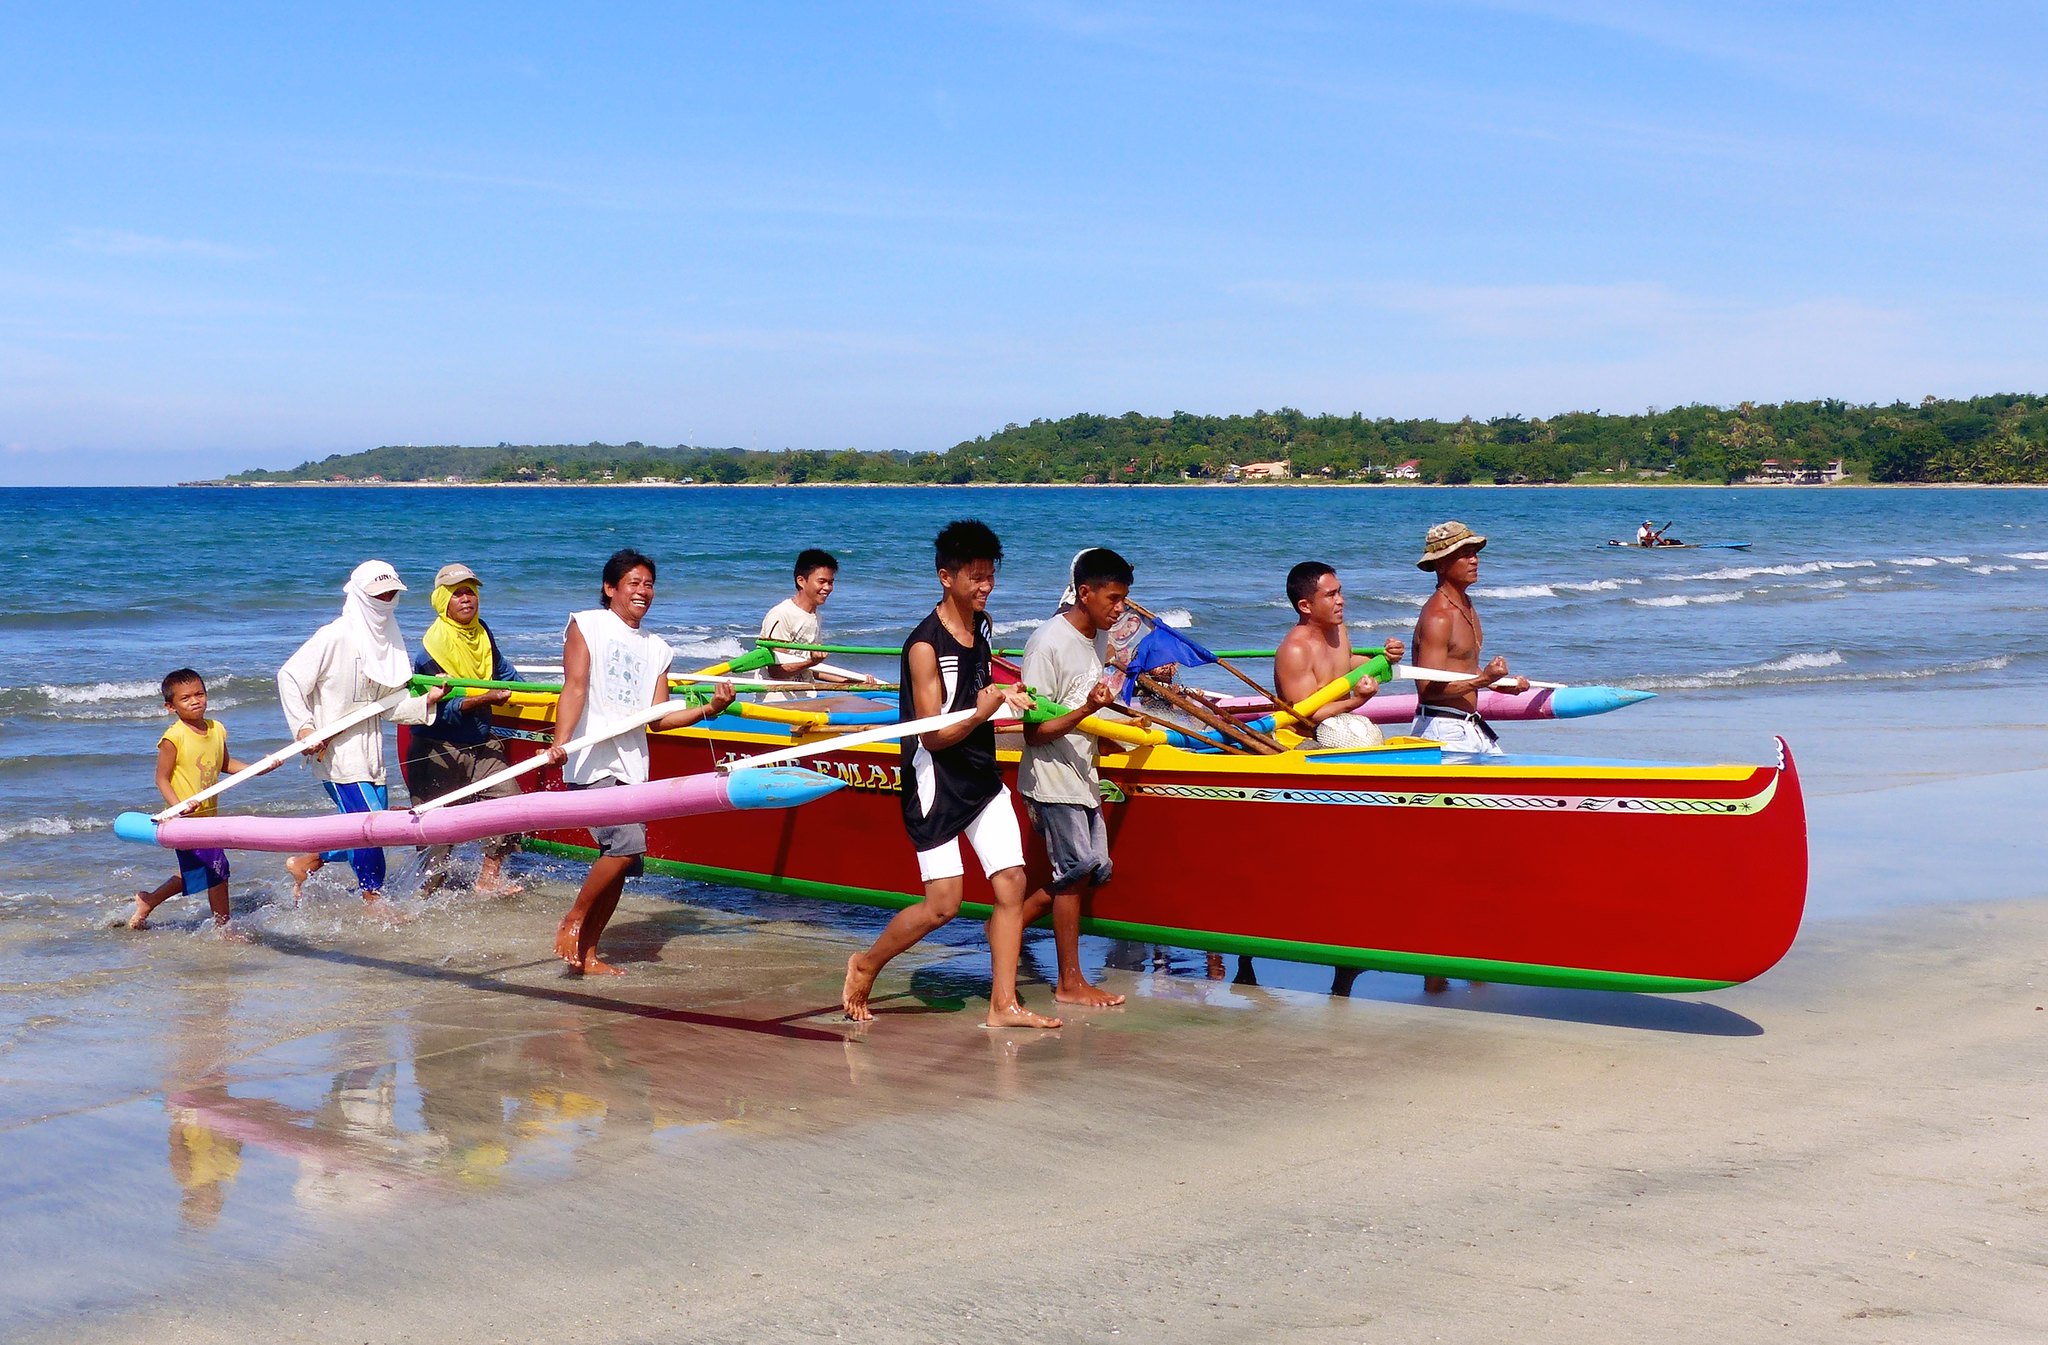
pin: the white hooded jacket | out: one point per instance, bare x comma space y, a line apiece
355, 660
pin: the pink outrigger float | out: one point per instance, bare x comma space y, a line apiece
655, 801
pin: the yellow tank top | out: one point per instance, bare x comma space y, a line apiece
200, 757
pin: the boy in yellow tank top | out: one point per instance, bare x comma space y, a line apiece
189, 757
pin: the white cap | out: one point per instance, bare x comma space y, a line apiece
376, 577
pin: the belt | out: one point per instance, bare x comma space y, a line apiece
1472, 717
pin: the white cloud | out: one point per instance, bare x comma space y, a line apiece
125, 243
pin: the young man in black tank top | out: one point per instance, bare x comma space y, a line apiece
951, 785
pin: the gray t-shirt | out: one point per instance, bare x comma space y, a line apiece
1062, 663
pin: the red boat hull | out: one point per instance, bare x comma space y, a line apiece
1598, 875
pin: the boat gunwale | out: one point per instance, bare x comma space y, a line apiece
1177, 761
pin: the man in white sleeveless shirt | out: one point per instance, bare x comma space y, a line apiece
611, 670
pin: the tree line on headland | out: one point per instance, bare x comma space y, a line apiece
1992, 440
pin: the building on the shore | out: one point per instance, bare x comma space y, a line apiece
1280, 470
1772, 472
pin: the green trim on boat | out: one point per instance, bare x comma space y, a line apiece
1322, 954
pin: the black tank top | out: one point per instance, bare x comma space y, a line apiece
942, 791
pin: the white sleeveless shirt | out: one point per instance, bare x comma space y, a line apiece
626, 666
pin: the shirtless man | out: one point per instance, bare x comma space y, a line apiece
1448, 636
952, 787
612, 668
1318, 651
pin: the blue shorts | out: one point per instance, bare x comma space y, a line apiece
202, 869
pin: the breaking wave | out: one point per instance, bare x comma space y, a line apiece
1012, 627
1923, 562
1517, 591
1180, 618
2027, 555
716, 647
1793, 670
1687, 599
1993, 569
1807, 567
48, 826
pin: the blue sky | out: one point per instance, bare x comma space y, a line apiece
244, 236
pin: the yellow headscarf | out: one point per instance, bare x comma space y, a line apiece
462, 651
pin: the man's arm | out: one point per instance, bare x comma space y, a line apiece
1052, 730
928, 697
1296, 680
1433, 650
722, 694
575, 691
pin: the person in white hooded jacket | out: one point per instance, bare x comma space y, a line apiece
355, 660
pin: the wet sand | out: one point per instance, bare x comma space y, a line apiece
364, 1147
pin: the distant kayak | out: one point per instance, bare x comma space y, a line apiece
1678, 546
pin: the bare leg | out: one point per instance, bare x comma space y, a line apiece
941, 903
1435, 985
1005, 944
302, 867
595, 901
217, 899
1072, 987
434, 872
145, 902
490, 879
1341, 979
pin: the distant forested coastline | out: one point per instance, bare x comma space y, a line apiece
1989, 440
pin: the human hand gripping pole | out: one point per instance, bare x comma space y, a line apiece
321, 737
880, 734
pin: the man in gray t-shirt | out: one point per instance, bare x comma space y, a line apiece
1063, 661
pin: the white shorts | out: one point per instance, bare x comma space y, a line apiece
997, 840
1457, 735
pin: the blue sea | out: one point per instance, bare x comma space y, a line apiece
175, 1109
1846, 601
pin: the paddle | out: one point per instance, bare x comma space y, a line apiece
879, 734
1410, 673
638, 720
321, 737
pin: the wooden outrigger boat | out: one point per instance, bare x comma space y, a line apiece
1554, 871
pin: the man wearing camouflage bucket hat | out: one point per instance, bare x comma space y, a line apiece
1448, 636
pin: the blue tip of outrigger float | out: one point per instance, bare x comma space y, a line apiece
778, 787
1578, 702
135, 827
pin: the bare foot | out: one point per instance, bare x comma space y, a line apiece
232, 934
300, 867
500, 889
593, 965
565, 943
1018, 1016
1435, 985
1086, 995
853, 993
139, 920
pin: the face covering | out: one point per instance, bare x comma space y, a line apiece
373, 629
462, 651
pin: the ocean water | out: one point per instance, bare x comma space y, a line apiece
173, 1108
1843, 595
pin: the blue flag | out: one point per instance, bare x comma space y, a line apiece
1163, 645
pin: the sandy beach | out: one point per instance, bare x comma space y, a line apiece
476, 1148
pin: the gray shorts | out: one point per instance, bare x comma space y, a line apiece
626, 841
1076, 842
